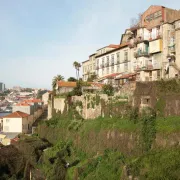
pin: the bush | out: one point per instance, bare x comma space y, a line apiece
108, 89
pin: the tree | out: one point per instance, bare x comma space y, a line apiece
55, 79
92, 77
108, 89
72, 79
77, 67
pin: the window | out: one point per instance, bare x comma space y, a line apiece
108, 70
94, 66
107, 58
117, 68
125, 55
6, 128
125, 66
7, 120
102, 61
118, 57
158, 74
112, 59
112, 69
90, 68
102, 71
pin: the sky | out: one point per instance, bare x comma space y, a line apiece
42, 38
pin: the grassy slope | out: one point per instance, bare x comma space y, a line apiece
110, 164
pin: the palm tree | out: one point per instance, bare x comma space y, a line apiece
77, 67
55, 79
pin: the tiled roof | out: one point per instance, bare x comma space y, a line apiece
113, 50
66, 84
126, 76
22, 104
17, 114
114, 45
32, 101
96, 84
111, 75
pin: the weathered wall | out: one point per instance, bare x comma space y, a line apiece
163, 96
59, 104
90, 105
125, 142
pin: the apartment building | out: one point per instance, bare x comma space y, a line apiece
2, 87
114, 62
148, 51
153, 40
88, 67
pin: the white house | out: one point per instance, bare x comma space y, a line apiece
18, 122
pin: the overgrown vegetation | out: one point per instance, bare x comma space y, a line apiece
108, 89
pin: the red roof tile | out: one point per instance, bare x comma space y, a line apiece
17, 114
96, 84
111, 75
22, 104
114, 45
66, 84
126, 76
32, 101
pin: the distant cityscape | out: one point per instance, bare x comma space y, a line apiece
12, 96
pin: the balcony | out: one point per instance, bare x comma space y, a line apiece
172, 49
148, 67
140, 53
152, 38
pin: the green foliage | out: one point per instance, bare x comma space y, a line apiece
148, 130
77, 91
75, 125
72, 79
79, 104
108, 89
88, 105
98, 98
171, 86
55, 79
168, 125
160, 106
92, 77
162, 164
107, 166
134, 114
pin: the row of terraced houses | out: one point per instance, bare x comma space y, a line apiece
148, 51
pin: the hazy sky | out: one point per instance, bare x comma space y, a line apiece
41, 38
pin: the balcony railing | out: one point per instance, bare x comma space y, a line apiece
147, 67
141, 53
172, 49
159, 36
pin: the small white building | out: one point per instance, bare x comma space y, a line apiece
45, 97
18, 122
65, 87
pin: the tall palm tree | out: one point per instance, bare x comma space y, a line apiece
55, 79
77, 67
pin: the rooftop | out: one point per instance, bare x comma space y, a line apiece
17, 114
66, 84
